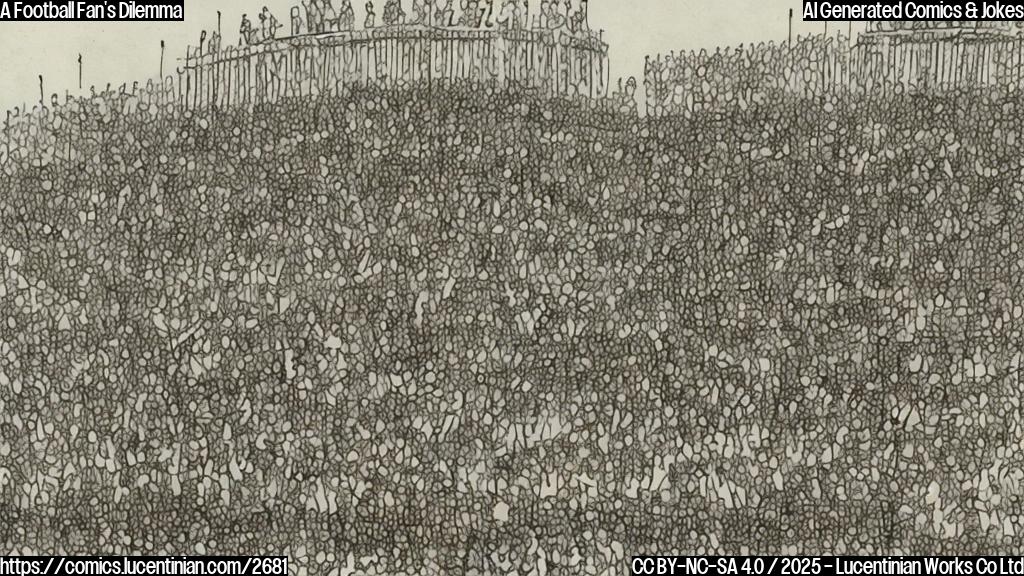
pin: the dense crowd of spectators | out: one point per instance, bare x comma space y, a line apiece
46, 132
468, 330
852, 267
701, 81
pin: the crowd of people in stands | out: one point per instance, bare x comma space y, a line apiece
320, 16
475, 331
698, 80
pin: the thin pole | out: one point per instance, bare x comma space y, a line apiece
71, 132
162, 46
218, 22
790, 26
79, 71
42, 98
201, 72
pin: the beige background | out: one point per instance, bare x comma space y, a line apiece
117, 52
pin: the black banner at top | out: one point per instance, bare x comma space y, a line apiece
913, 10
826, 565
91, 10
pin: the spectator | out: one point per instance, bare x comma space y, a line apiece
444, 16
393, 13
370, 16
246, 32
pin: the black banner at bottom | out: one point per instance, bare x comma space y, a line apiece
143, 565
826, 565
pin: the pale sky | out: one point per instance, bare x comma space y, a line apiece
118, 52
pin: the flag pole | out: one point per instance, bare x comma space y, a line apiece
162, 45
42, 98
79, 71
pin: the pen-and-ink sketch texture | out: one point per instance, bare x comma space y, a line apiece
432, 296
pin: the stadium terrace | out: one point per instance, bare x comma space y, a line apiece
322, 50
